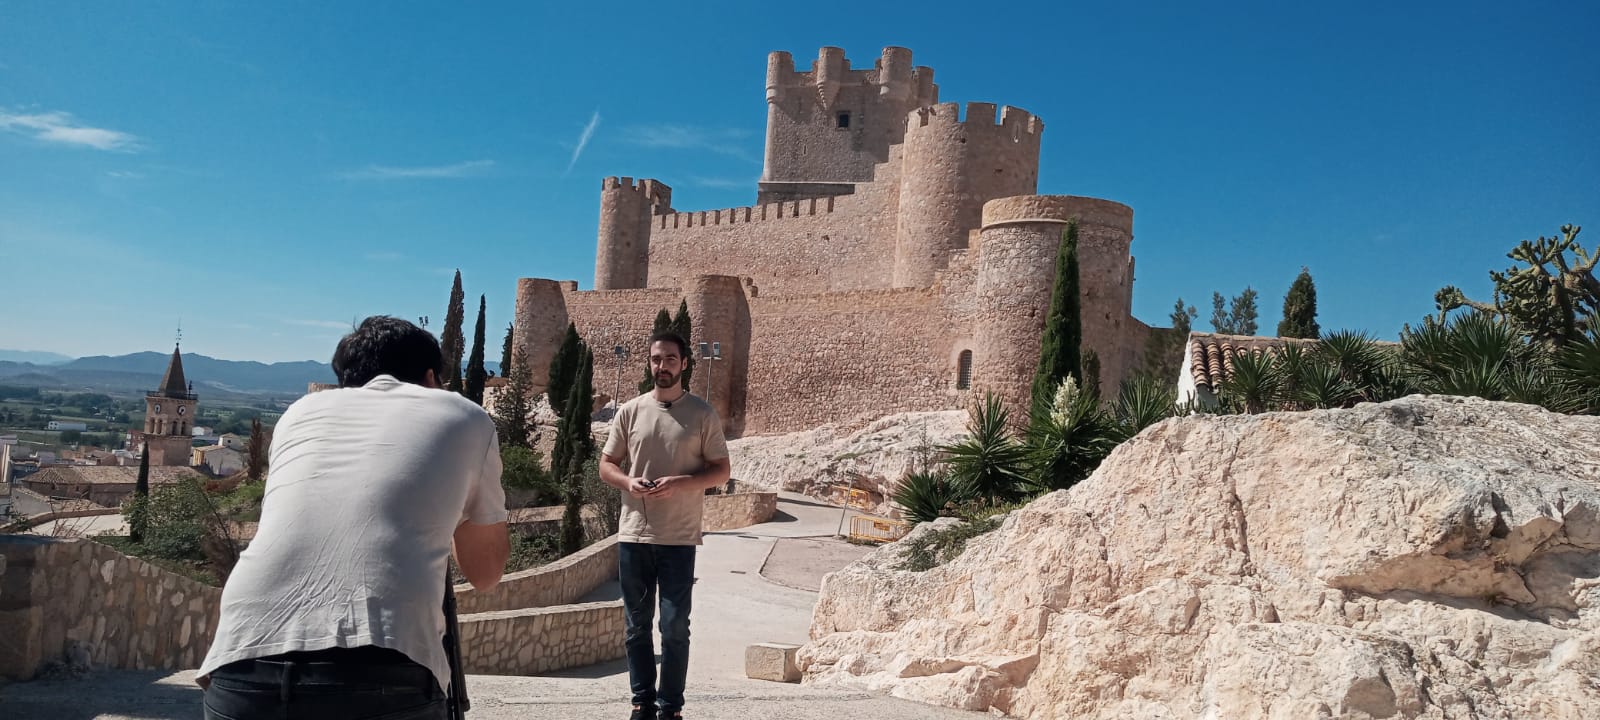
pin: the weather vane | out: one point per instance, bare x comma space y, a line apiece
179, 340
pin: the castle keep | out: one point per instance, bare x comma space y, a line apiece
897, 259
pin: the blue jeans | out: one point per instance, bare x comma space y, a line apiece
644, 570
360, 684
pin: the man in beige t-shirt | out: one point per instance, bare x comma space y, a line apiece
673, 446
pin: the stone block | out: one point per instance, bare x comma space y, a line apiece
771, 661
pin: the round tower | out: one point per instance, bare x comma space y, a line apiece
894, 73
721, 315
1016, 273
622, 252
541, 324
952, 166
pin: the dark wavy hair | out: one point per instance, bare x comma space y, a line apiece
384, 345
671, 337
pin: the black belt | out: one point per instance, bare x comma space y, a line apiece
336, 666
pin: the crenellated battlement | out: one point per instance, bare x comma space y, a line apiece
892, 72
977, 115
749, 214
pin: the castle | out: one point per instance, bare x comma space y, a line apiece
897, 260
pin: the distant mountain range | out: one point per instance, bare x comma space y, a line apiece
141, 372
34, 356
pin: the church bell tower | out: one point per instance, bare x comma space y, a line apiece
169, 417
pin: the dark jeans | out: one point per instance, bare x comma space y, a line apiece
643, 570
366, 683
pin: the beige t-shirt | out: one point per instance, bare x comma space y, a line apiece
660, 442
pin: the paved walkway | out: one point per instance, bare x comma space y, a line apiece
736, 604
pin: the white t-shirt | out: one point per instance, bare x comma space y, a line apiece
365, 488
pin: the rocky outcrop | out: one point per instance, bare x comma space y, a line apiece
1423, 558
827, 461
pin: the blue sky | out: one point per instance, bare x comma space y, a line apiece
268, 172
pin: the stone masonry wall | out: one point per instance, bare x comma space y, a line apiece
87, 604
558, 583
850, 356
738, 510
541, 640
797, 247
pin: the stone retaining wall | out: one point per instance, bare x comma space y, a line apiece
539, 640
727, 512
86, 604
558, 583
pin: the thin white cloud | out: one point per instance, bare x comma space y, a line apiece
723, 183
125, 174
320, 324
583, 140
470, 168
384, 257
731, 142
61, 128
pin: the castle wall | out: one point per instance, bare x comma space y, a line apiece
798, 247
850, 356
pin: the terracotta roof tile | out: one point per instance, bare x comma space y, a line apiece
1211, 355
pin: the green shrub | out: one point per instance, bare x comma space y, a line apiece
939, 546
928, 495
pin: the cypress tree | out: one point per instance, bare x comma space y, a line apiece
1059, 350
663, 322
452, 341
505, 351
684, 327
140, 515
511, 406
562, 368
573, 448
475, 372
1300, 309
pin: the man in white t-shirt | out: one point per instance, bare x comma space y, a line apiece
334, 610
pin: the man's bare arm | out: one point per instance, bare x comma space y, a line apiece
611, 473
481, 553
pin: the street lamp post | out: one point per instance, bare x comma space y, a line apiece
710, 352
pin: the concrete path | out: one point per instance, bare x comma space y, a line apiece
735, 605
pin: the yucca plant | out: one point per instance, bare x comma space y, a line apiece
1069, 438
1358, 358
928, 495
1577, 370
1320, 386
1255, 384
1480, 355
989, 461
1143, 400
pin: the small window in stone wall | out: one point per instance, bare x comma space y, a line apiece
964, 371
844, 121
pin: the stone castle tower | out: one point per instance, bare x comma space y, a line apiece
897, 258
169, 416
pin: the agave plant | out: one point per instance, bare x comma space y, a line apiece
1255, 384
1069, 438
929, 495
989, 461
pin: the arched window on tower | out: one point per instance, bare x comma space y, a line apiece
964, 371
